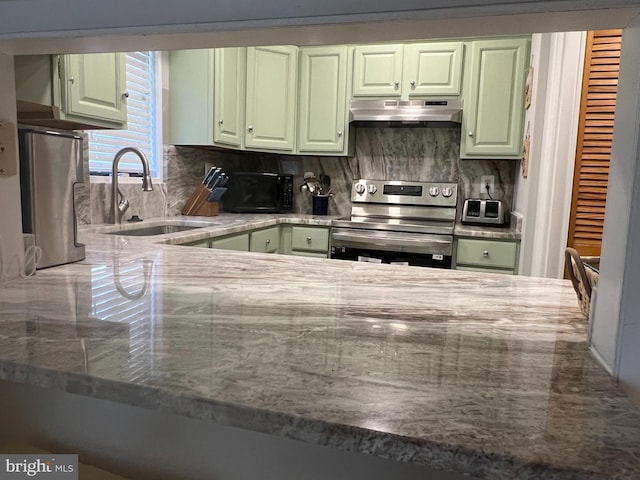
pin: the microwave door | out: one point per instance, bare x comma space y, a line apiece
252, 193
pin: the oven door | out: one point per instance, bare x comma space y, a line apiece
419, 249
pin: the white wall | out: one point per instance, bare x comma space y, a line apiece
616, 323
544, 197
11, 246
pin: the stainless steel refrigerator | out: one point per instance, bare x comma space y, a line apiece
50, 167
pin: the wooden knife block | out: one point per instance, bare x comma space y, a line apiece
197, 204
207, 209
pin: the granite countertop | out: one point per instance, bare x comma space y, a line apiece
512, 231
483, 374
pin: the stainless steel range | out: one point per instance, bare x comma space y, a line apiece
398, 222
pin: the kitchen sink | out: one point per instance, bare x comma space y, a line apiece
155, 230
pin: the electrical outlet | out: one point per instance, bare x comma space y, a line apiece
487, 180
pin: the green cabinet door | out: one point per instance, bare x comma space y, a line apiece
493, 95
272, 74
191, 97
94, 86
234, 242
377, 70
485, 253
432, 68
229, 81
310, 239
266, 240
322, 101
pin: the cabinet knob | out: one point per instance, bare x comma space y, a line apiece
268, 241
470, 133
308, 239
413, 83
339, 133
250, 128
220, 122
485, 253
125, 94
396, 83
71, 79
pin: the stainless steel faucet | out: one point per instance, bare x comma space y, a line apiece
119, 203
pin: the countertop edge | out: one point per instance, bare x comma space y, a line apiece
347, 438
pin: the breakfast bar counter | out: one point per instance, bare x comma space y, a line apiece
483, 375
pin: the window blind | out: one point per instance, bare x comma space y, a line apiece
141, 122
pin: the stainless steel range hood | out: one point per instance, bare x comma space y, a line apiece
405, 113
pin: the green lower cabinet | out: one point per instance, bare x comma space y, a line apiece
206, 243
485, 270
266, 240
487, 255
233, 242
305, 241
301, 253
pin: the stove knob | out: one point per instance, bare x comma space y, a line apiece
433, 191
447, 192
372, 189
360, 189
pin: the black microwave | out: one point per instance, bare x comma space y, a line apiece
251, 192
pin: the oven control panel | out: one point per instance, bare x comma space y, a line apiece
401, 192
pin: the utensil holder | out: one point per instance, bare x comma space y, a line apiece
320, 204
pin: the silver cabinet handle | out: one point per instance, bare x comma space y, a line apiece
470, 133
71, 79
250, 129
339, 133
268, 241
220, 122
308, 239
396, 83
125, 94
413, 83
485, 253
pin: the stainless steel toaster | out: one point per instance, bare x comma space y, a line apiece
485, 212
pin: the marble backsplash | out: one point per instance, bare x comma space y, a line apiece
414, 154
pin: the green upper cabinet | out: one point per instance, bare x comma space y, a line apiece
229, 95
272, 74
494, 98
322, 101
433, 68
85, 91
94, 86
405, 71
191, 97
377, 70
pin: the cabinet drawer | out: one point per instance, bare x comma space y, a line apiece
236, 242
486, 270
489, 253
265, 241
309, 238
309, 254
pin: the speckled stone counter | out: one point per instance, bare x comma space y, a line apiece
487, 375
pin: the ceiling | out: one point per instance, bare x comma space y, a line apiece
65, 26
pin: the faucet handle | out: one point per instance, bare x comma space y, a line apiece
123, 203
